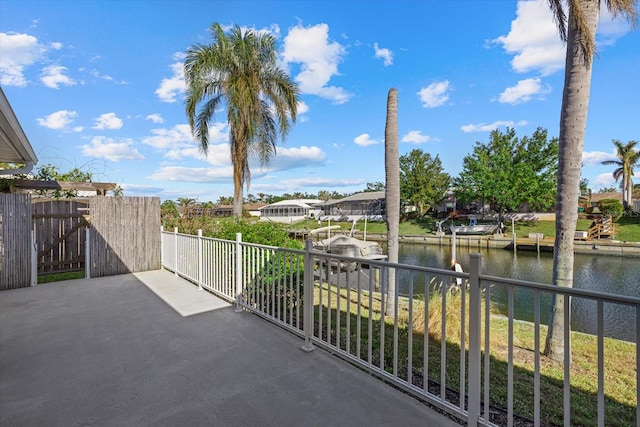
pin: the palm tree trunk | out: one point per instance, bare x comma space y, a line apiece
392, 193
573, 121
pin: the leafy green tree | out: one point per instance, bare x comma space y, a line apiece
374, 186
508, 171
422, 180
324, 195
628, 157
239, 71
611, 207
607, 190
50, 172
577, 21
168, 210
225, 200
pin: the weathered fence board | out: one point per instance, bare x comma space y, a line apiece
124, 236
15, 238
59, 227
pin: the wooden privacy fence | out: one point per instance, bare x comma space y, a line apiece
59, 227
125, 235
15, 239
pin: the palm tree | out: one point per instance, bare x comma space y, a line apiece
184, 204
628, 157
238, 71
578, 31
392, 193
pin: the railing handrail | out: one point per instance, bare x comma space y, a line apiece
574, 292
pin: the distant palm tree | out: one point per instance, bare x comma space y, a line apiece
184, 204
578, 31
238, 71
392, 178
628, 158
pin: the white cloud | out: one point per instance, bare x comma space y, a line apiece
186, 174
385, 54
484, 127
365, 140
302, 108
295, 157
318, 58
604, 180
107, 148
435, 94
108, 121
170, 87
180, 135
416, 137
524, 91
19, 51
155, 118
534, 40
609, 29
597, 157
60, 120
318, 182
54, 75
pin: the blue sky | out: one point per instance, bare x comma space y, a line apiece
98, 85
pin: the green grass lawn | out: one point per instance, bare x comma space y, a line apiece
619, 357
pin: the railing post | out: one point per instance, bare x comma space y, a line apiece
199, 259
475, 301
307, 314
162, 246
87, 253
238, 272
175, 250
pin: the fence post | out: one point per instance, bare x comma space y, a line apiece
175, 250
162, 247
87, 253
34, 259
199, 259
238, 272
307, 313
475, 301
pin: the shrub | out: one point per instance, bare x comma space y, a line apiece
611, 207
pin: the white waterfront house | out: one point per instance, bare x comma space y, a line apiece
289, 211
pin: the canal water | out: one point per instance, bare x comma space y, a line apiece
609, 274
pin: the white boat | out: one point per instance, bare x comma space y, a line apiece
474, 229
347, 245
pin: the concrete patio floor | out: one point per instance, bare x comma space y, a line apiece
150, 349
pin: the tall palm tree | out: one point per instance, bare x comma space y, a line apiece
578, 31
238, 71
628, 157
392, 193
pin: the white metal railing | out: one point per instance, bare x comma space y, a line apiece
342, 304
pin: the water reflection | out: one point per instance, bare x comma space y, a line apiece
609, 274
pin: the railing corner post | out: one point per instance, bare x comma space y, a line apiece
238, 272
175, 252
200, 259
307, 313
475, 303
